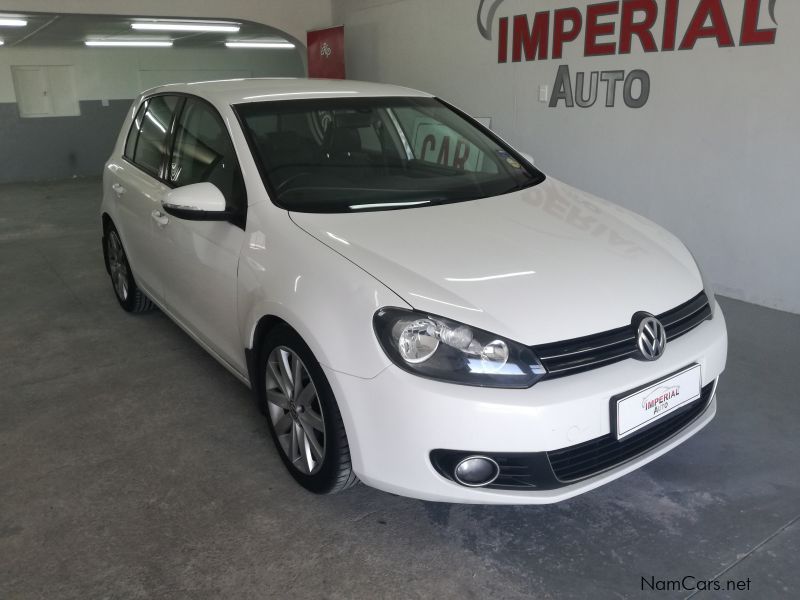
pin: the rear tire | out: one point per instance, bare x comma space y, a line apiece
303, 415
128, 294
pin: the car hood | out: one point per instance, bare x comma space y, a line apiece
543, 264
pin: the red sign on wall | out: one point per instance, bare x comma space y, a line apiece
326, 53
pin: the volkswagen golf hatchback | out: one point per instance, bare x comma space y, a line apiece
413, 303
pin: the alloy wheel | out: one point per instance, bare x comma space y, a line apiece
295, 410
118, 266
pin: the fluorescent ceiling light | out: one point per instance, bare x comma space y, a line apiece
388, 205
128, 43
276, 44
167, 26
13, 22
489, 277
337, 238
156, 122
1, 42
447, 303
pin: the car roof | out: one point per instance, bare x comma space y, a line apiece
239, 91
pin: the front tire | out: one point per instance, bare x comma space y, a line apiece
130, 297
303, 415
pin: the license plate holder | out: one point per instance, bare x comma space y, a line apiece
634, 411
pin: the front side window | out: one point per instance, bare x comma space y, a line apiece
204, 152
153, 128
344, 155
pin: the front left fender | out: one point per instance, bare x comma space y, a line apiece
286, 273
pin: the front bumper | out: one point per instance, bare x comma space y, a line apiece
395, 420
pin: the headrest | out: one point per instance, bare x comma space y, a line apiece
344, 141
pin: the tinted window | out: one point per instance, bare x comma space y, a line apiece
133, 134
151, 145
204, 153
341, 154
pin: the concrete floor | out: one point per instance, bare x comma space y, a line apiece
133, 466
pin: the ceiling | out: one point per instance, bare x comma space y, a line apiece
72, 30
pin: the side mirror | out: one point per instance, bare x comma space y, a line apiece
527, 157
197, 202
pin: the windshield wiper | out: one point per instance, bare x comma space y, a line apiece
399, 205
522, 186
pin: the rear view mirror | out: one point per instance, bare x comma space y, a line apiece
197, 202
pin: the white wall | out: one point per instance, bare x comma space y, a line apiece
121, 73
712, 155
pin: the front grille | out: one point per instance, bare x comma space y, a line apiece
515, 472
601, 349
600, 454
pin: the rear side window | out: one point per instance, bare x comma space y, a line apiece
133, 134
151, 128
204, 153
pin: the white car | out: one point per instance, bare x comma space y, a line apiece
414, 304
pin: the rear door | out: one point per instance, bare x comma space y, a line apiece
201, 258
139, 188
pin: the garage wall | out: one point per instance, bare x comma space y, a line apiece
294, 17
711, 155
106, 81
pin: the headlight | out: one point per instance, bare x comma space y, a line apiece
445, 350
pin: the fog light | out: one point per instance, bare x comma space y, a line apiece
476, 471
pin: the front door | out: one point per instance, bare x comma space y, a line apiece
201, 258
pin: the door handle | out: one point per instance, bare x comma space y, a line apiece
160, 218
118, 189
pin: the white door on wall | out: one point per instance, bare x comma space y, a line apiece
45, 90
61, 87
154, 78
33, 97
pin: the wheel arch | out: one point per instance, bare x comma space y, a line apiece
107, 222
263, 326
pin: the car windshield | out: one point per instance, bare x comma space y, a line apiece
360, 154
